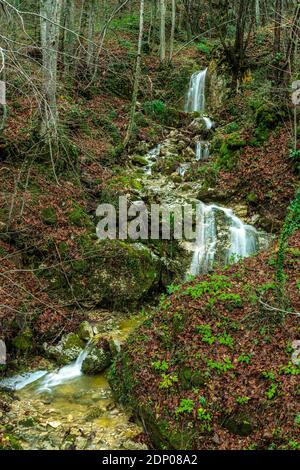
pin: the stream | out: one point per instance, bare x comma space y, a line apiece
66, 409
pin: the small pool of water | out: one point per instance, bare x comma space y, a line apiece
80, 412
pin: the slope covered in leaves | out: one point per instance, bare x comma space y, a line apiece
212, 369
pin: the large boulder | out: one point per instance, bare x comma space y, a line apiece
111, 273
98, 359
85, 331
66, 351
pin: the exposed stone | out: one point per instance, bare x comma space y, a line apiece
67, 350
140, 161
98, 359
85, 331
197, 126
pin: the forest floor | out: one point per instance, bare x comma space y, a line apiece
43, 223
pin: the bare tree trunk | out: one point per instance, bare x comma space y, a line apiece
91, 31
50, 10
172, 29
257, 12
152, 26
277, 39
292, 44
3, 105
103, 34
69, 37
137, 76
162, 31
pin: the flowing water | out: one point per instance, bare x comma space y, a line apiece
151, 158
234, 240
195, 101
202, 151
66, 409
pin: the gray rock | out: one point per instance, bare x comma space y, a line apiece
67, 350
97, 361
85, 331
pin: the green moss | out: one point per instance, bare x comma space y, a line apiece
23, 342
10, 442
252, 198
49, 216
228, 149
73, 341
79, 217
138, 160
28, 422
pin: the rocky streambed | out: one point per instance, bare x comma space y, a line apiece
75, 412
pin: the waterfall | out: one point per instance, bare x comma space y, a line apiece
195, 101
183, 168
151, 158
205, 247
202, 151
66, 373
48, 380
208, 122
242, 239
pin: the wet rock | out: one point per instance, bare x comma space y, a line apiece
209, 195
94, 413
54, 424
131, 445
140, 161
241, 211
197, 126
98, 359
67, 350
85, 331
23, 342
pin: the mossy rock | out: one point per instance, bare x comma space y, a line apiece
162, 436
23, 343
138, 160
28, 422
67, 350
49, 216
116, 274
96, 361
85, 331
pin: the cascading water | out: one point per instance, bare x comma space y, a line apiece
237, 239
151, 158
66, 373
202, 151
47, 381
195, 101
